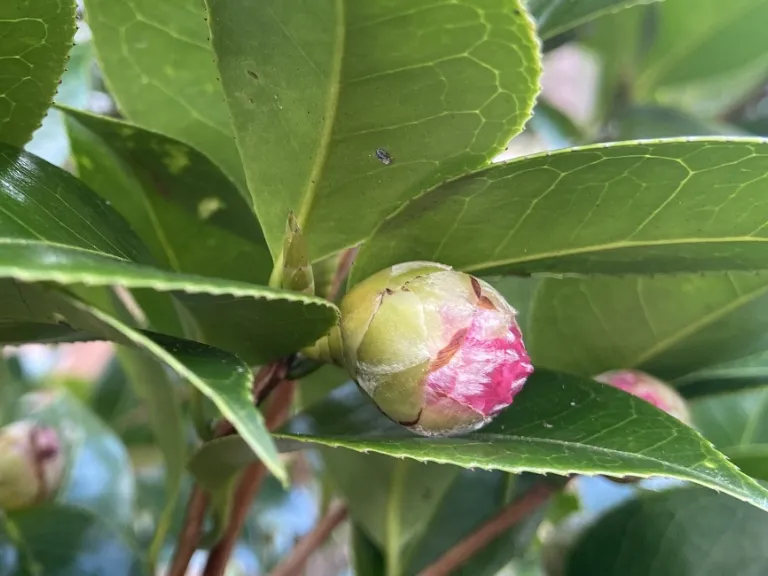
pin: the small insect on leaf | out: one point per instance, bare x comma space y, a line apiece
384, 156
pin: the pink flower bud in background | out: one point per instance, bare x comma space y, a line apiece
439, 351
649, 389
31, 464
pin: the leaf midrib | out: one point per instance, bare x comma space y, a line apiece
607, 247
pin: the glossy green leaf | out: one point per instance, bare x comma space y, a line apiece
185, 210
99, 475
159, 67
558, 423
748, 372
720, 38
556, 16
54, 229
37, 36
659, 206
738, 425
683, 532
317, 87
158, 395
669, 326
58, 540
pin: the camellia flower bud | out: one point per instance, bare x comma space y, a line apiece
649, 389
438, 351
31, 464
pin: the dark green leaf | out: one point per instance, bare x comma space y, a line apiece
189, 214
641, 122
317, 87
684, 532
157, 392
473, 499
748, 372
738, 425
557, 16
66, 541
669, 326
718, 40
54, 229
366, 556
393, 500
36, 37
222, 377
98, 474
664, 206
159, 67
558, 423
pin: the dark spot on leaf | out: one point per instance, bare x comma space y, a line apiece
383, 156
252, 74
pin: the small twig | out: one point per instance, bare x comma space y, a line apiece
277, 412
294, 563
192, 528
345, 264
504, 520
190, 532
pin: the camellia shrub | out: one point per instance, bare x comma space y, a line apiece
352, 255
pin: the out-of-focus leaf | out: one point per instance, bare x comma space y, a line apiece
669, 326
439, 89
640, 122
554, 127
60, 540
393, 500
36, 38
186, 211
473, 499
748, 372
98, 474
50, 142
683, 532
738, 425
558, 423
697, 39
54, 229
157, 392
650, 207
319, 384
159, 67
556, 16
366, 556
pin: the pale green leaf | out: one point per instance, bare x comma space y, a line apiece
159, 66
649, 207
36, 38
556, 16
316, 87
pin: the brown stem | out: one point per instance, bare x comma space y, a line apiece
508, 517
190, 533
294, 563
277, 412
192, 529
